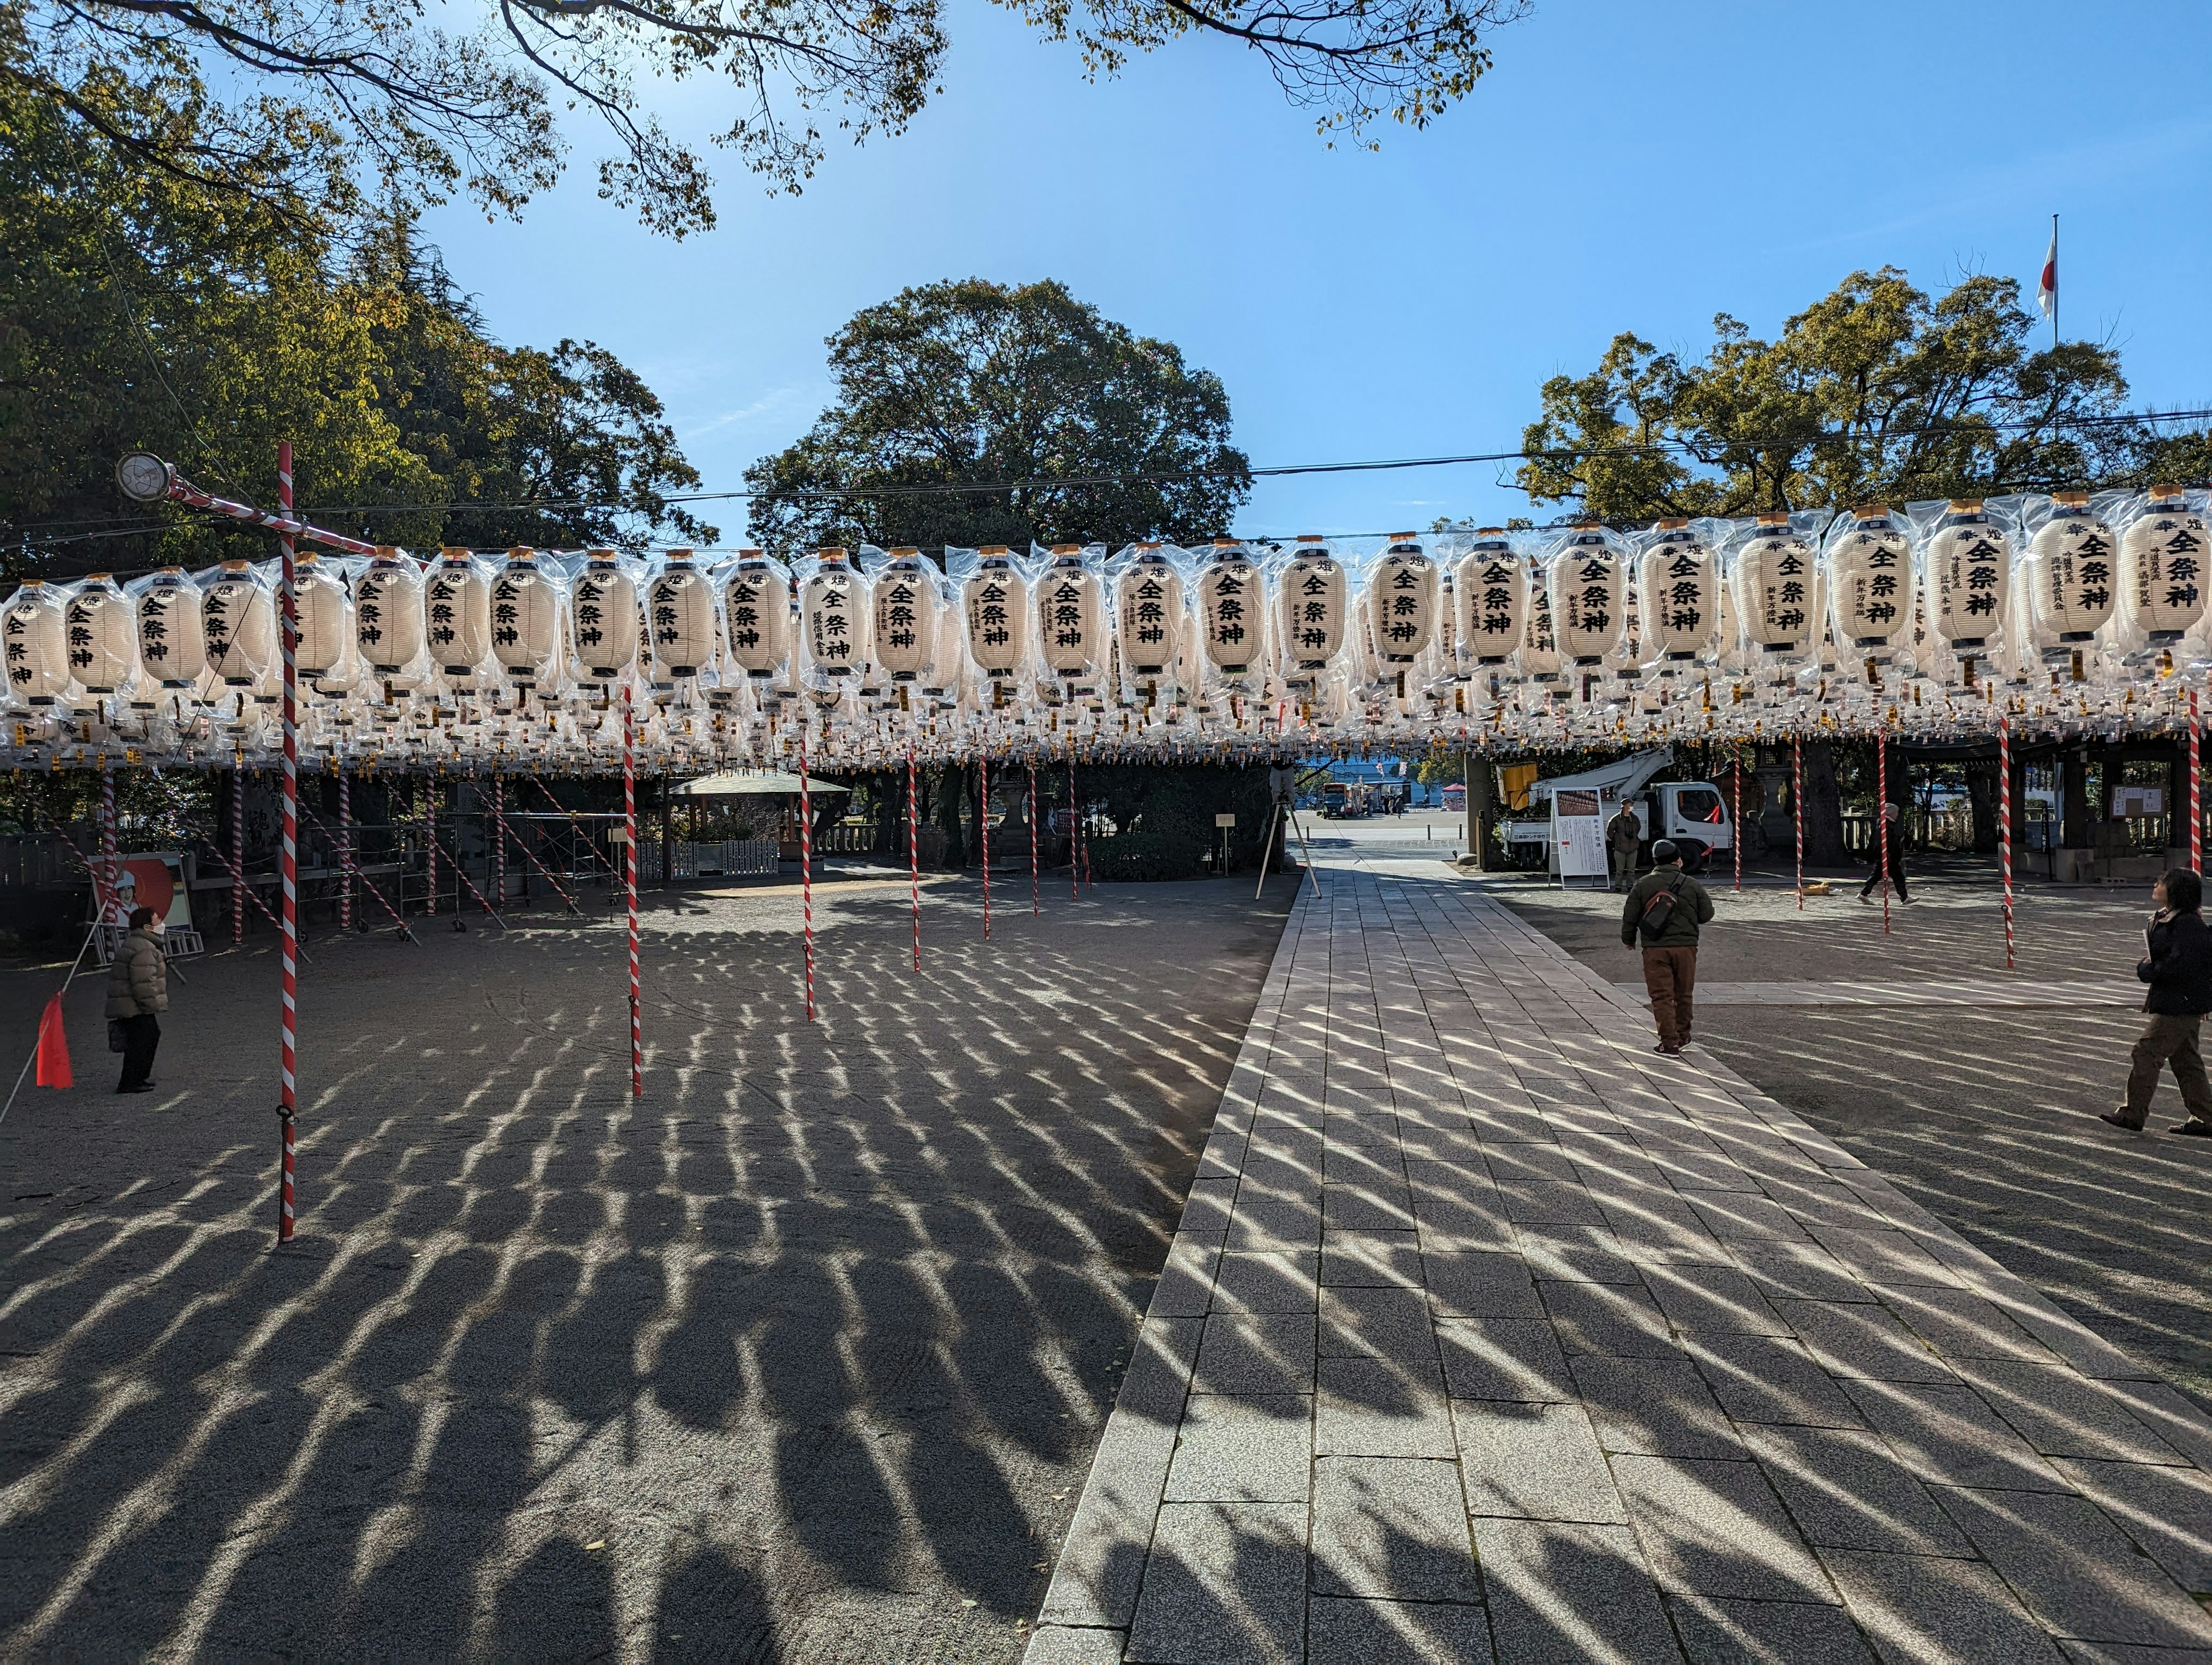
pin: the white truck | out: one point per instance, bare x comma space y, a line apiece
1692, 813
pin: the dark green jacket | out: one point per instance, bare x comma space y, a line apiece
1693, 907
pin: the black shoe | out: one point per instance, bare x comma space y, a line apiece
144, 1086
2193, 1127
2118, 1120
1666, 1051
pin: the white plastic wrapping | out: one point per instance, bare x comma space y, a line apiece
679, 609
1403, 600
909, 615
36, 644
995, 601
1150, 613
1966, 562
172, 643
2068, 576
2163, 548
1776, 578
833, 621
757, 616
605, 614
238, 622
387, 615
457, 616
528, 600
322, 603
1230, 605
101, 630
1679, 587
1073, 622
1871, 583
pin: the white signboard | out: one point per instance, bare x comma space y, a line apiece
1578, 835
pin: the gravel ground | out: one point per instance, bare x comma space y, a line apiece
1984, 1114
801, 1360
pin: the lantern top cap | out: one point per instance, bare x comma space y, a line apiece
97, 578
992, 548
2069, 498
1773, 516
1967, 505
520, 553
1490, 532
1226, 543
453, 551
1403, 537
600, 554
1309, 537
835, 552
164, 572
236, 566
679, 555
905, 552
751, 554
387, 552
304, 558
2166, 489
1870, 511
1067, 548
1674, 523
1147, 548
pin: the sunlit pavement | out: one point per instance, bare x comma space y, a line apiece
1487, 1334
801, 1360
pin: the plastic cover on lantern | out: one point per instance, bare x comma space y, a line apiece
2067, 574
1966, 568
1866, 560
757, 604
2163, 548
1313, 610
172, 643
35, 642
833, 621
679, 612
1150, 592
994, 611
238, 622
604, 616
1538, 657
1774, 579
528, 600
1586, 577
387, 615
457, 616
1074, 626
102, 633
1490, 599
323, 638
907, 607
1678, 582
1403, 595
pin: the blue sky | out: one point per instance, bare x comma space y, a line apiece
1625, 166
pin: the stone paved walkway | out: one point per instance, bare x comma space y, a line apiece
1489, 1334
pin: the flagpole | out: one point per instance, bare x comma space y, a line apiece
2054, 287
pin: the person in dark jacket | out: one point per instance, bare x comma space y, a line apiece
2179, 968
1670, 951
137, 992
1624, 834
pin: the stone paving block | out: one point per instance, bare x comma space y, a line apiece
1377, 1131
1577, 1254
2122, 1653
1224, 1156
1262, 1281
1367, 1207
1617, 1321
1362, 1166
1525, 1164
1186, 1286
1480, 1284
1730, 1215
2081, 1346
1064, 1644
1802, 1271
1960, 1324
1391, 1323
1718, 1529
2168, 1511
1273, 1353
1361, 1631
2063, 1414
1254, 1448
1379, 1407
1265, 1221
1770, 1378
1949, 1434
1882, 1257
1648, 1242
1654, 1407
1701, 1297
1571, 1594
1716, 1632
2177, 1420
1391, 1527
1446, 1222
1920, 1609
2075, 1570
1225, 1584
1846, 1490
1550, 1202
1534, 1463
1515, 1358
1858, 1340
1205, 1211
1373, 1259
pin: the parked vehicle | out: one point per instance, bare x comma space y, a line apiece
1692, 813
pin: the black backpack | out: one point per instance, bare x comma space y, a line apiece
1659, 911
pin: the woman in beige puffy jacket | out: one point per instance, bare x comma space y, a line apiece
137, 990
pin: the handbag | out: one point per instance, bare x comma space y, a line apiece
115, 1035
1658, 911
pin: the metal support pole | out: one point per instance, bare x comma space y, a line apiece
913, 854
289, 857
1881, 819
239, 893
2004, 823
983, 835
629, 877
1036, 905
110, 865
498, 840
1735, 819
806, 858
2196, 806
345, 852
1797, 805
431, 837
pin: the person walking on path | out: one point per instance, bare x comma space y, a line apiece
137, 993
1625, 834
2179, 968
1664, 910
1895, 841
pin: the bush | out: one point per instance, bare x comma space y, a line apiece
1145, 856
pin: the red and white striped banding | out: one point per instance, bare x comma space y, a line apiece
1074, 849
1881, 815
2004, 823
288, 859
431, 837
111, 864
498, 830
629, 881
2196, 805
983, 836
1735, 819
345, 852
1030, 815
239, 893
1797, 803
806, 858
913, 854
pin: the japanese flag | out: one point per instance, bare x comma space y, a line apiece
2046, 291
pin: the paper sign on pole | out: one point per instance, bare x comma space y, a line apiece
1578, 834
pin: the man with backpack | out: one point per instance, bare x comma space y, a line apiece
1665, 909
2178, 966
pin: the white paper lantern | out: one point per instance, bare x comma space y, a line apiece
1403, 600
1314, 600
35, 641
679, 608
833, 616
1969, 566
1071, 620
2071, 572
1539, 655
324, 608
1680, 583
1148, 606
604, 611
101, 630
2162, 567
1586, 581
905, 603
1870, 582
756, 615
238, 619
995, 601
172, 642
525, 619
1489, 594
457, 613
387, 612
1776, 588
1231, 609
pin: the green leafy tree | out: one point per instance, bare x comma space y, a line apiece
460, 99
972, 382
1877, 393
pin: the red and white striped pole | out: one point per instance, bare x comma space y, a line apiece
1797, 804
499, 839
1881, 816
1074, 847
238, 853
1035, 906
806, 858
630, 880
288, 855
1735, 819
110, 864
983, 838
913, 854
2195, 809
430, 836
2004, 823
345, 852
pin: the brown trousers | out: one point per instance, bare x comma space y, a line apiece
2167, 1039
1669, 976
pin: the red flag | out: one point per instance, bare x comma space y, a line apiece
53, 1048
